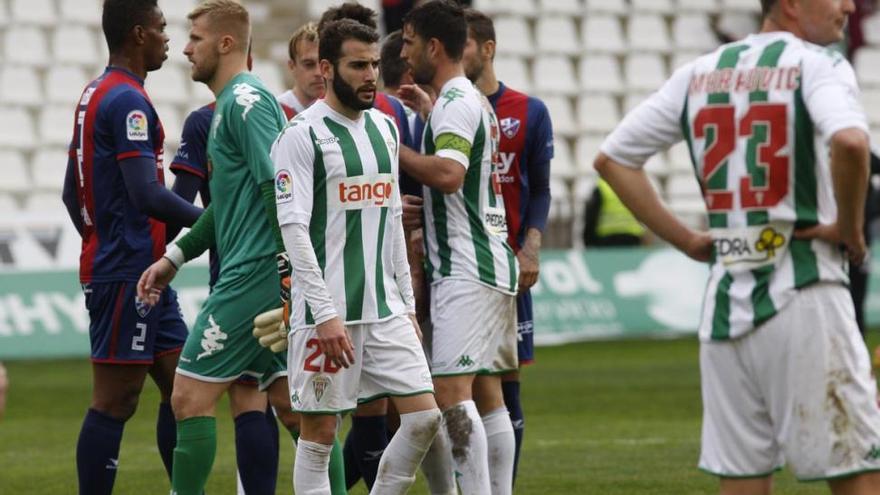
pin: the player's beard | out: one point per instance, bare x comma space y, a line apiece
474, 69
205, 71
422, 71
348, 96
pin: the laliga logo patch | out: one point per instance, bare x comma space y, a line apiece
142, 308
283, 187
510, 126
136, 126
320, 384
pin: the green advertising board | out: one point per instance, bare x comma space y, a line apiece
580, 295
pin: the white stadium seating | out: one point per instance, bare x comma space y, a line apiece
16, 128
172, 124
867, 65
600, 74
48, 168
25, 45
648, 32
64, 84
55, 125
603, 33
557, 35
693, 32
513, 72
567, 7
644, 72
554, 74
20, 85
514, 36
37, 12
75, 44
586, 150
652, 6
14, 172
598, 114
563, 119
169, 85
82, 11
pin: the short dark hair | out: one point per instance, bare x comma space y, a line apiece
349, 10
480, 26
441, 19
121, 16
335, 33
391, 65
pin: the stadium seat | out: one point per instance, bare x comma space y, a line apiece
178, 36
600, 74
269, 71
598, 114
201, 95
512, 71
4, 13
748, 6
647, 32
602, 33
683, 187
871, 29
867, 65
562, 115
652, 6
48, 168
737, 25
75, 45
568, 7
657, 166
177, 10
563, 163
20, 85
871, 104
38, 12
524, 8
554, 74
585, 151
693, 32
616, 7
13, 174
702, 6
45, 203
172, 124
560, 202
56, 125
168, 85
25, 45
16, 128
514, 36
82, 11
680, 158
681, 57
644, 72
64, 84
8, 204
556, 34
632, 100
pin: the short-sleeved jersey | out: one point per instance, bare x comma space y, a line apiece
115, 120
526, 141
339, 178
290, 104
466, 232
757, 115
247, 119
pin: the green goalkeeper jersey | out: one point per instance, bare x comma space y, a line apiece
247, 119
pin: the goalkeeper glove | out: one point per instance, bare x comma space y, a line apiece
270, 329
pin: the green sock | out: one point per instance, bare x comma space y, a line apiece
193, 455
337, 470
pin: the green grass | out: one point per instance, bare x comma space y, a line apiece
602, 418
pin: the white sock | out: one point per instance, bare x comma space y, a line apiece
501, 443
405, 451
240, 490
437, 465
469, 451
310, 476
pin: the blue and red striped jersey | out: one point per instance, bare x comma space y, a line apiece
115, 120
192, 155
525, 149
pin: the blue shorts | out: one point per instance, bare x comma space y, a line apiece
525, 328
122, 330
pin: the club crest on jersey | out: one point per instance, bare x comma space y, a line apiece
320, 384
136, 126
510, 126
142, 308
283, 187
363, 191
751, 247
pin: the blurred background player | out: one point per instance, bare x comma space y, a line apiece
780, 144
608, 222
241, 222
308, 85
472, 270
113, 185
351, 295
525, 149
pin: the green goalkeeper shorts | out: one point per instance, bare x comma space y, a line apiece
221, 346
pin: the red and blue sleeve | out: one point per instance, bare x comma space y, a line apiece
192, 154
132, 120
540, 151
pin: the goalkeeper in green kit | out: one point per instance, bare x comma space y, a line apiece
241, 221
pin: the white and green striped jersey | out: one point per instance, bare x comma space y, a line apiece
339, 177
466, 232
757, 115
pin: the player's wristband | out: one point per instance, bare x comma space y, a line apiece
175, 256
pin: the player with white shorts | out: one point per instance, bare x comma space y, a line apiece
780, 146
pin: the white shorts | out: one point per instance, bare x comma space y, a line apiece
474, 329
388, 361
798, 389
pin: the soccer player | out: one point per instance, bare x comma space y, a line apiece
780, 146
241, 222
114, 194
339, 210
308, 85
472, 270
525, 149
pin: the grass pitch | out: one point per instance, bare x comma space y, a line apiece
601, 418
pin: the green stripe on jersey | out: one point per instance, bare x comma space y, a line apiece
721, 315
758, 175
384, 162
438, 210
471, 190
806, 266
353, 250
761, 300
729, 59
318, 222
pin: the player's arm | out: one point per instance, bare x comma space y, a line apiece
69, 195
151, 197
651, 127
850, 166
190, 164
435, 171
541, 152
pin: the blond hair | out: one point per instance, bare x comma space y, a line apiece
226, 17
307, 32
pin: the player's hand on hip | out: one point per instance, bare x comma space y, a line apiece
855, 246
154, 280
529, 265
335, 342
412, 212
699, 246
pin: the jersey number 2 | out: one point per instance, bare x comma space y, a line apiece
310, 365
722, 119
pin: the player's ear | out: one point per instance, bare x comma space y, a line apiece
488, 50
138, 34
326, 69
226, 44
